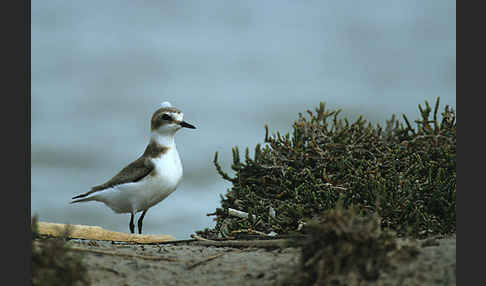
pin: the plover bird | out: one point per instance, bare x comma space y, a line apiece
149, 179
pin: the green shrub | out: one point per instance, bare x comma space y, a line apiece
405, 175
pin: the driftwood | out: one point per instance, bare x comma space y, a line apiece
97, 233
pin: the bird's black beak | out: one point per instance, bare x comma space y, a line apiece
187, 125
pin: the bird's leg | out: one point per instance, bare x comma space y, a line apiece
132, 226
140, 221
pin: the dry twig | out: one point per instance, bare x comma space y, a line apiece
212, 257
105, 252
268, 244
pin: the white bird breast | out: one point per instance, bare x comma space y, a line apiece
168, 174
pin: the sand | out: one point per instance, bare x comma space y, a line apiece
177, 263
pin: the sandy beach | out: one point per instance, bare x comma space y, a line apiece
187, 263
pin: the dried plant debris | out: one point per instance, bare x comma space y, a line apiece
53, 263
344, 248
405, 174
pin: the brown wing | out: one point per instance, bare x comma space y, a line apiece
134, 172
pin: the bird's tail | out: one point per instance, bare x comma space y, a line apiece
82, 198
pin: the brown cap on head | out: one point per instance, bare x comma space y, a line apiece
169, 115
157, 118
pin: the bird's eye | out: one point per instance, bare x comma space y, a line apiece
166, 117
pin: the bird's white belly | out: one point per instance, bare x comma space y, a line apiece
141, 195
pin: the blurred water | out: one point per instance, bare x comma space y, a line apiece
100, 68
